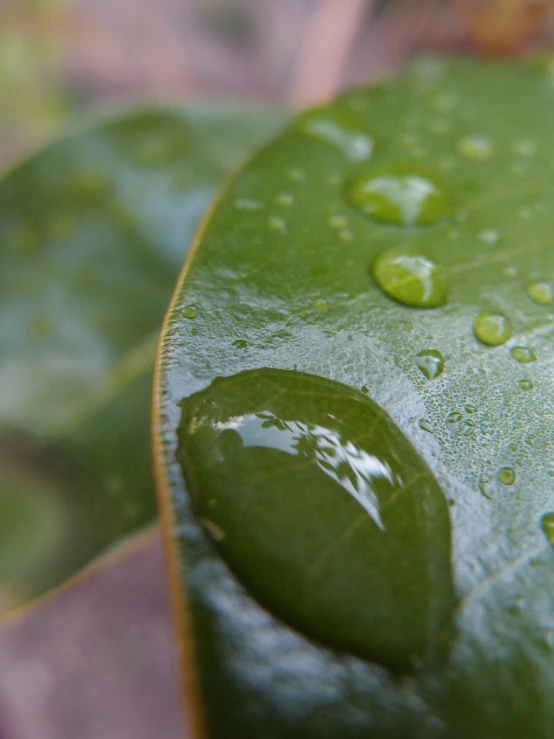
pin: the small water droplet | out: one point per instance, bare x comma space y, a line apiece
470, 409
297, 174
492, 328
426, 425
240, 344
454, 417
507, 476
402, 196
321, 305
191, 311
215, 531
247, 204
338, 221
489, 237
410, 279
513, 447
285, 198
338, 129
477, 147
523, 354
193, 331
525, 147
542, 292
510, 271
430, 362
547, 526
524, 214
346, 234
276, 223
526, 384
365, 389
516, 606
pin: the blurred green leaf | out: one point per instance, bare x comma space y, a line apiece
398, 242
93, 230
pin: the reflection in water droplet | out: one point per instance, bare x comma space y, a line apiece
410, 279
547, 526
240, 344
339, 130
526, 384
542, 292
430, 362
477, 147
401, 196
311, 483
492, 328
523, 354
191, 311
507, 476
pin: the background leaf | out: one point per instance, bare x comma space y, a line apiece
441, 311
93, 230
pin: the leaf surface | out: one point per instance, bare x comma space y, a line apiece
399, 243
93, 229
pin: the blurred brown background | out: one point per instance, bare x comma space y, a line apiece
99, 661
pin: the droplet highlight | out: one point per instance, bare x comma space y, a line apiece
541, 292
401, 196
492, 328
411, 279
430, 362
310, 481
523, 354
338, 129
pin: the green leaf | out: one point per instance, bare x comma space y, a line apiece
433, 294
93, 230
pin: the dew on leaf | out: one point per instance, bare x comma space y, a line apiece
411, 279
321, 305
191, 311
247, 204
470, 409
276, 223
338, 221
426, 425
507, 476
240, 344
402, 196
492, 328
430, 362
338, 129
547, 526
523, 354
476, 147
541, 292
489, 237
311, 482
285, 198
364, 389
454, 417
526, 384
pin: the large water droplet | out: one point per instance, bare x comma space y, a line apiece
411, 279
321, 501
547, 526
542, 292
492, 328
523, 354
430, 362
191, 311
401, 196
338, 129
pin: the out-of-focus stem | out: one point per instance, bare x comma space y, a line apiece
325, 50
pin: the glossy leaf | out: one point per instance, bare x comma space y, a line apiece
283, 277
92, 231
